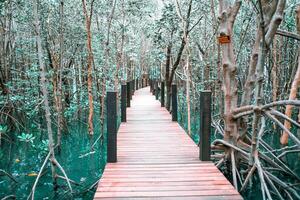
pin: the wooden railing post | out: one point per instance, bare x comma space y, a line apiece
156, 90
111, 116
205, 125
133, 86
153, 86
123, 102
128, 93
150, 82
130, 86
162, 94
174, 102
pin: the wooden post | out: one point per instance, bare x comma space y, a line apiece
128, 93
205, 125
174, 102
156, 90
133, 86
111, 116
150, 82
123, 103
136, 84
162, 94
153, 87
131, 90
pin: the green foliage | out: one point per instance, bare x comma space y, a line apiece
3, 128
44, 146
166, 26
25, 137
70, 111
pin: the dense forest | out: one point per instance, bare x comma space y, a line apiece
58, 58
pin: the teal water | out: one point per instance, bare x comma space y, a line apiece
23, 160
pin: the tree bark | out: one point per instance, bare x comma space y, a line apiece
294, 89
60, 74
180, 51
43, 86
88, 21
228, 16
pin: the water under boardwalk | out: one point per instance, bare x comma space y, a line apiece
158, 160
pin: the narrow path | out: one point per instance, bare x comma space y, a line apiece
157, 160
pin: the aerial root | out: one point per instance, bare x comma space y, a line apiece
55, 162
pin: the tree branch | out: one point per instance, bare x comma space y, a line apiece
288, 34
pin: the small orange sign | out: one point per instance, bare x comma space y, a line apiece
224, 39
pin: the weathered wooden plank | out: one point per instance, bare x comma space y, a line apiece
187, 193
158, 179
231, 197
164, 188
160, 184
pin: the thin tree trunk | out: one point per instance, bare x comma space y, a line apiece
59, 92
43, 85
182, 45
88, 21
274, 72
275, 83
294, 89
188, 99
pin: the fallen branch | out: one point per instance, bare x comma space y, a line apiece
9, 197
283, 184
286, 152
277, 113
291, 135
273, 186
8, 175
87, 154
288, 34
252, 170
70, 180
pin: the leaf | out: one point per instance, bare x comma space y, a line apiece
32, 174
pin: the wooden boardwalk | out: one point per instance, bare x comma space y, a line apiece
158, 160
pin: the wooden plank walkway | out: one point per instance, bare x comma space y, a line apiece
158, 160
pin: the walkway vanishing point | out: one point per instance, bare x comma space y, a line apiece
156, 159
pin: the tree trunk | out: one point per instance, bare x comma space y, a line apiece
88, 18
59, 91
43, 85
181, 48
228, 15
188, 99
294, 89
